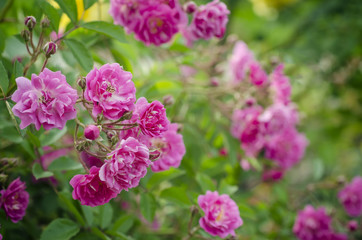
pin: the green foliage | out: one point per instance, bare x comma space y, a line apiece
60, 229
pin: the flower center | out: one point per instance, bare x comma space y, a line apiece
220, 215
154, 24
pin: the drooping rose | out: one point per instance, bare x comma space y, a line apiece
111, 90
14, 200
46, 100
222, 215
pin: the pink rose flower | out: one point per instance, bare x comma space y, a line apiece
151, 117
351, 197
90, 160
46, 100
246, 128
91, 132
286, 148
280, 85
208, 21
126, 165
258, 76
352, 225
90, 190
240, 61
14, 200
111, 90
315, 224
222, 215
172, 148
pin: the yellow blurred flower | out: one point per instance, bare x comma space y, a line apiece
99, 11
270, 8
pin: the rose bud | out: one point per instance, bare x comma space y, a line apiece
168, 100
30, 22
352, 226
45, 23
190, 7
50, 48
91, 132
25, 34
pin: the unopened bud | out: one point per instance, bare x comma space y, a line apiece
92, 132
194, 210
111, 134
81, 82
114, 140
9, 161
168, 100
30, 22
352, 225
127, 116
155, 155
25, 34
45, 23
341, 180
50, 48
250, 102
83, 145
190, 7
100, 118
180, 128
3, 177
214, 81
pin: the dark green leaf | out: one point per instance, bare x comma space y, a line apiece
67, 199
81, 53
52, 13
160, 177
105, 215
205, 182
64, 163
177, 195
39, 173
33, 139
108, 29
148, 206
88, 3
60, 229
4, 79
69, 7
51, 136
88, 214
225, 188
13, 118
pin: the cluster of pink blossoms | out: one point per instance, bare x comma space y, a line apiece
222, 215
157, 21
273, 128
14, 200
351, 197
315, 224
146, 138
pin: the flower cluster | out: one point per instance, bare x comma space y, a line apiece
273, 128
46, 100
315, 224
222, 215
14, 200
142, 130
157, 21
351, 197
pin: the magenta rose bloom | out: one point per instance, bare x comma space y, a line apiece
208, 21
240, 61
14, 200
126, 12
222, 215
172, 148
90, 190
280, 85
315, 224
111, 90
286, 148
126, 165
246, 128
91, 132
46, 100
258, 76
351, 197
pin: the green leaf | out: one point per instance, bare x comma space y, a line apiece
108, 29
81, 53
88, 214
69, 7
64, 163
148, 206
225, 188
177, 195
69, 202
13, 119
88, 3
160, 177
205, 182
60, 229
123, 224
17, 72
33, 139
4, 79
52, 13
50, 137
105, 215
39, 173
255, 163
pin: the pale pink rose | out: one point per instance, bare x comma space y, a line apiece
222, 215
286, 148
171, 147
240, 61
111, 90
258, 76
90, 190
126, 165
14, 200
280, 85
91, 132
46, 100
351, 197
246, 128
208, 21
